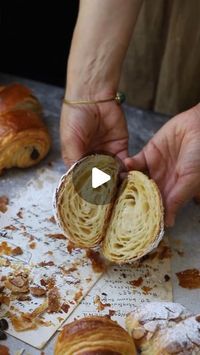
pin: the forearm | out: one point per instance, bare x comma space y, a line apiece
99, 45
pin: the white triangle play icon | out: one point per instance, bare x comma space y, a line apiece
99, 177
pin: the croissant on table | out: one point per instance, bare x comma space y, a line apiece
24, 139
94, 336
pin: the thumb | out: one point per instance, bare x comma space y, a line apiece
137, 162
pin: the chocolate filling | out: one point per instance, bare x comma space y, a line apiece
35, 154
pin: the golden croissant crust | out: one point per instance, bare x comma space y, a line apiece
94, 336
129, 227
24, 139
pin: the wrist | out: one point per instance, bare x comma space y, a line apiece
90, 83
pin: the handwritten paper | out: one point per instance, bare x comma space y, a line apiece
124, 287
29, 224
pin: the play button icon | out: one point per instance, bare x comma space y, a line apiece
99, 177
95, 179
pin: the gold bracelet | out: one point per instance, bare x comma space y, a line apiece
119, 98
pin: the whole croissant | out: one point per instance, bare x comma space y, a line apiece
94, 336
24, 139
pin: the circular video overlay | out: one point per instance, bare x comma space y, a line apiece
96, 178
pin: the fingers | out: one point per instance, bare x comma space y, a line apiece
181, 193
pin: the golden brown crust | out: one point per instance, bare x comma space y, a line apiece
24, 139
94, 336
17, 96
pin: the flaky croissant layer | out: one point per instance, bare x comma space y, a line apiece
94, 336
129, 226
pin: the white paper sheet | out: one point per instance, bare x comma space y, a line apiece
116, 290
32, 225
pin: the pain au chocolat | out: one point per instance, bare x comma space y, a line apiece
129, 226
24, 139
94, 335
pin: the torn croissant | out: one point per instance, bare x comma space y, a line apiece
94, 335
129, 226
24, 139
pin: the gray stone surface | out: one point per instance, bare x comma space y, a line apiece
142, 125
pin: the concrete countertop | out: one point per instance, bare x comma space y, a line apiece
142, 125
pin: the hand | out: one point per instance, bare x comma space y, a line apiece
89, 128
172, 158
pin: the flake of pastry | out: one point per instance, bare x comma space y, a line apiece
52, 219
18, 283
56, 236
11, 228
70, 247
78, 295
17, 251
53, 297
189, 278
100, 305
4, 300
37, 291
67, 271
4, 201
28, 321
46, 263
48, 283
65, 307
98, 264
138, 282
32, 245
146, 289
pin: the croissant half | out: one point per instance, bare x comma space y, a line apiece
24, 139
129, 227
82, 222
94, 336
136, 223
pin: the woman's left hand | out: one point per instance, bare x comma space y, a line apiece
172, 158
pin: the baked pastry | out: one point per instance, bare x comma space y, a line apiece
145, 320
94, 336
136, 223
162, 328
182, 339
129, 226
82, 222
24, 139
